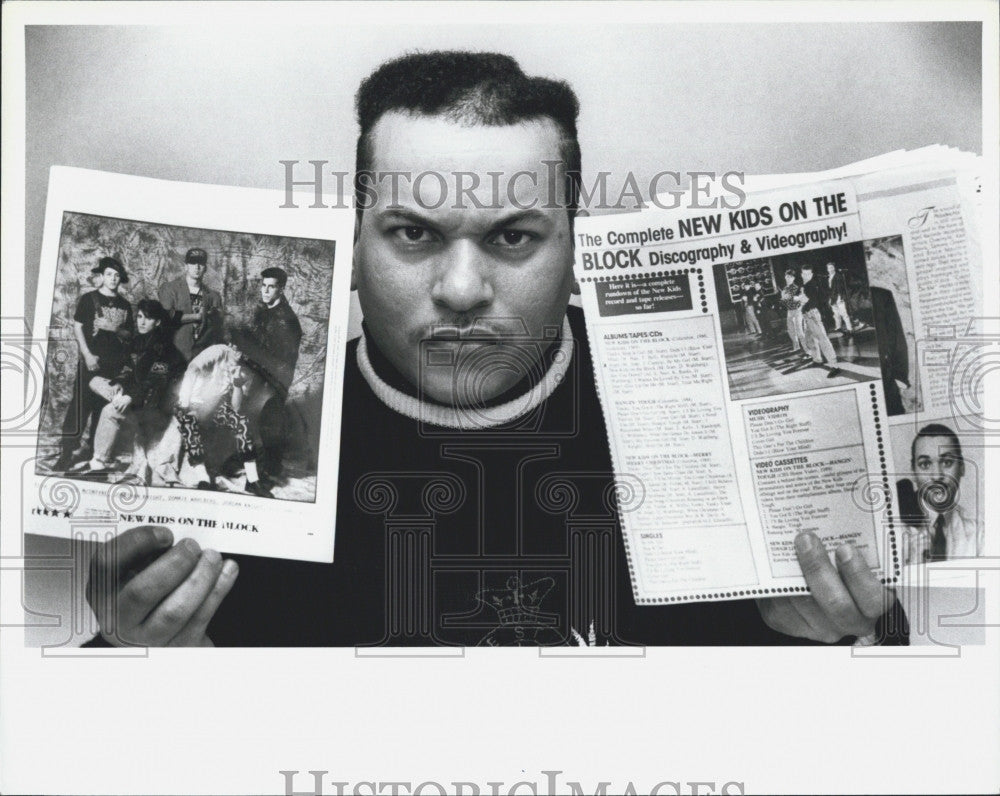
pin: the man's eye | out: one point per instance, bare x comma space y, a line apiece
512, 238
413, 234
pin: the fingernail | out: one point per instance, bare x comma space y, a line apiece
162, 535
845, 553
230, 568
192, 546
806, 542
211, 556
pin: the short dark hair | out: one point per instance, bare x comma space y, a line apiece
475, 88
196, 256
936, 430
275, 273
152, 308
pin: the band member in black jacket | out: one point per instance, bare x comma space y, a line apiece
817, 343
270, 347
139, 396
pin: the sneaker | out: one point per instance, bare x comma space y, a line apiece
93, 472
258, 489
834, 372
232, 466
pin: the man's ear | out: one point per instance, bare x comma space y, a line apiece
579, 212
354, 258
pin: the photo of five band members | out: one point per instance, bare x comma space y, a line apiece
164, 377
800, 321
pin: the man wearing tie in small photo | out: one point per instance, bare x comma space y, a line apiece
941, 530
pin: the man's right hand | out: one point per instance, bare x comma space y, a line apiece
146, 592
91, 362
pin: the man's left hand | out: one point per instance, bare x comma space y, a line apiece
844, 601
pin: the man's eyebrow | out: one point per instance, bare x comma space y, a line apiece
518, 216
509, 220
398, 214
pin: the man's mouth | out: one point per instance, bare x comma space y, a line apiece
939, 495
478, 331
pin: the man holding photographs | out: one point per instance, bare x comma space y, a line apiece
102, 326
465, 283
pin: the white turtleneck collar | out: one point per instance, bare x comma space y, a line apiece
470, 418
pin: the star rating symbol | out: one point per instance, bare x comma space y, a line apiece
47, 512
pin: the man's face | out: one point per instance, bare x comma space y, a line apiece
807, 274
269, 290
111, 279
938, 467
490, 271
195, 271
144, 323
831, 269
789, 277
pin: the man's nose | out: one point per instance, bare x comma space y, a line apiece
463, 280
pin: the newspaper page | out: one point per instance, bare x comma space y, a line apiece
920, 214
921, 246
728, 398
193, 346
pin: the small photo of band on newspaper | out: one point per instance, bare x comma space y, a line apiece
189, 370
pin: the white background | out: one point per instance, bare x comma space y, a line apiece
240, 87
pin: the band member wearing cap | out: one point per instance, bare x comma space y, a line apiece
103, 326
195, 310
139, 395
